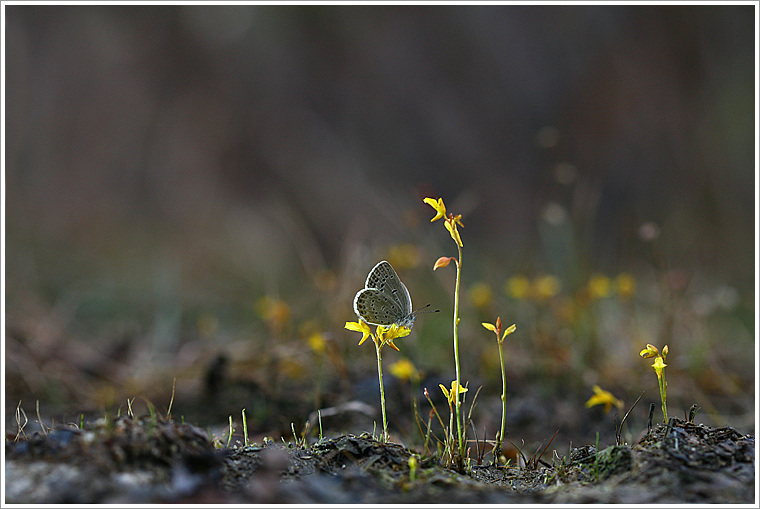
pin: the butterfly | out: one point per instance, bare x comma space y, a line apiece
385, 300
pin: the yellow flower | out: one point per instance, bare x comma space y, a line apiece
450, 222
625, 285
386, 335
317, 343
546, 286
440, 208
518, 287
496, 329
481, 295
490, 327
451, 226
599, 286
360, 326
649, 352
276, 312
404, 370
602, 397
659, 365
451, 394
404, 256
509, 331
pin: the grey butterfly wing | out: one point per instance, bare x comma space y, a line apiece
375, 307
385, 279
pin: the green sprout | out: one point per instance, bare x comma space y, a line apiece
450, 222
496, 329
659, 368
452, 396
381, 337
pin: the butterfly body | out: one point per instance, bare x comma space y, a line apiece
384, 300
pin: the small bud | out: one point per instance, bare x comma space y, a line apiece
443, 261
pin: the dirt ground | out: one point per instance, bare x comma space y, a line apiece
149, 460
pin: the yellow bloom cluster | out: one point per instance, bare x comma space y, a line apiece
382, 336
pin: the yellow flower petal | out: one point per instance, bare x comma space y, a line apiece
360, 326
451, 395
602, 397
452, 228
659, 365
394, 331
489, 326
440, 208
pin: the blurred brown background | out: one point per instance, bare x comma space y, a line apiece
197, 192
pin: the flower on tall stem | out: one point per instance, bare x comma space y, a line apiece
496, 329
659, 368
383, 335
452, 224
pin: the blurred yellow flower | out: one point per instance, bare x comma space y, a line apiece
275, 312
404, 256
602, 397
598, 286
481, 295
317, 343
625, 285
404, 370
518, 287
546, 286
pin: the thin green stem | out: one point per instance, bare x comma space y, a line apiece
378, 348
460, 437
503, 395
663, 384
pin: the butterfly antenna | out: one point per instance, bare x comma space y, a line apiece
422, 310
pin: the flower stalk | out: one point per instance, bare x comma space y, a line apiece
381, 337
496, 329
451, 223
659, 368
